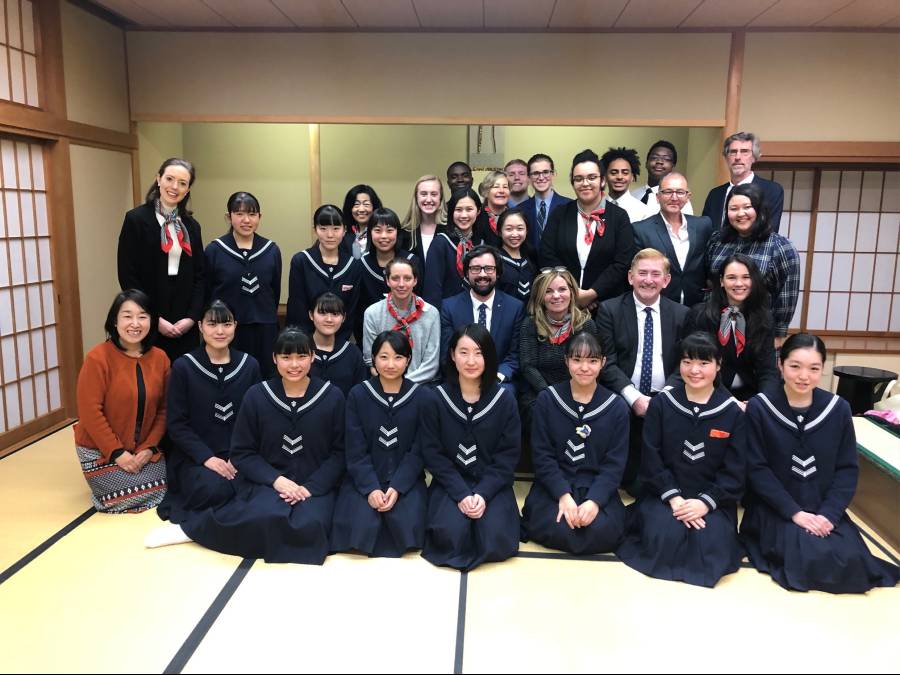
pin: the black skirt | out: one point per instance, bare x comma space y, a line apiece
192, 488
800, 561
660, 546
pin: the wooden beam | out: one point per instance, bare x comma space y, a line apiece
49, 125
845, 152
315, 170
48, 38
733, 93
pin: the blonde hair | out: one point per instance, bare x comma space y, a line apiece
488, 182
413, 218
536, 302
650, 254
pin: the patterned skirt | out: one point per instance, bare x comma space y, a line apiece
117, 491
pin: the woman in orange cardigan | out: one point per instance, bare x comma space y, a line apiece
122, 410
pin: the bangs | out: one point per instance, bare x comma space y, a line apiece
584, 346
329, 303
292, 340
700, 346
218, 312
243, 201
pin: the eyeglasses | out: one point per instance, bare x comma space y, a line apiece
681, 193
593, 178
542, 174
551, 270
483, 269
732, 152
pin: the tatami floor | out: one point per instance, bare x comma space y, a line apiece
79, 593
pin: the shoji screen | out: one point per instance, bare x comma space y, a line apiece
29, 373
18, 53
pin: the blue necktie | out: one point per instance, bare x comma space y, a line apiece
482, 315
647, 355
542, 216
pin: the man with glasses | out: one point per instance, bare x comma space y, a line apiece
661, 161
684, 240
741, 150
488, 306
516, 171
537, 208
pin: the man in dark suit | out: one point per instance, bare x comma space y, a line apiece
500, 313
741, 150
537, 208
640, 332
681, 237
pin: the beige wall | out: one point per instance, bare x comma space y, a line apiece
94, 62
156, 144
701, 162
101, 187
269, 160
436, 76
822, 86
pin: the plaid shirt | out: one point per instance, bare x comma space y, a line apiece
778, 263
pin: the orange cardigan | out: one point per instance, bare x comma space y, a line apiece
108, 398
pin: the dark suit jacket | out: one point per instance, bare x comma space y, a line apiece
143, 265
617, 325
653, 233
506, 320
610, 256
714, 208
529, 206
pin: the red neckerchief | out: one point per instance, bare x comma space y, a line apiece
463, 247
593, 216
492, 221
404, 323
725, 330
562, 337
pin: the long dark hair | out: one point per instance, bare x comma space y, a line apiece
142, 300
350, 198
153, 192
526, 249
481, 337
756, 308
762, 226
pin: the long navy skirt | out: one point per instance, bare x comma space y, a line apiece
800, 561
257, 340
192, 487
455, 540
257, 523
539, 524
662, 547
357, 526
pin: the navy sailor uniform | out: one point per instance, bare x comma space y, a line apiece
301, 439
203, 403
806, 462
470, 449
382, 452
441, 277
578, 449
374, 286
518, 275
343, 367
249, 282
696, 451
310, 277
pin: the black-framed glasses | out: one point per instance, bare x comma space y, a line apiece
483, 269
546, 173
679, 193
593, 178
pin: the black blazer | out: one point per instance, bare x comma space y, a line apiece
529, 206
610, 256
617, 325
143, 265
756, 364
773, 193
653, 233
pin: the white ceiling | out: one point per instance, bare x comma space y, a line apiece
504, 15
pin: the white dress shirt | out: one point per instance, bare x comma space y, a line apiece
477, 302
631, 393
635, 208
681, 243
583, 248
175, 251
653, 201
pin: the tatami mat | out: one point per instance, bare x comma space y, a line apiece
97, 601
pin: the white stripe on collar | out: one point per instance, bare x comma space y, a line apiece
489, 406
201, 368
260, 251
406, 396
450, 403
834, 401
346, 267
303, 407
776, 412
668, 395
599, 409
334, 355
562, 404
445, 236
369, 269
521, 262
229, 249
718, 408
375, 393
236, 368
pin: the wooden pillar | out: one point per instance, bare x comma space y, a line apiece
733, 93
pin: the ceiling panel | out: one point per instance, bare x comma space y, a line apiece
863, 14
443, 14
383, 13
654, 14
316, 13
517, 14
128, 9
259, 14
185, 13
726, 13
579, 14
798, 13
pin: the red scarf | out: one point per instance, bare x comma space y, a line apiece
492, 221
463, 247
563, 329
589, 218
404, 323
